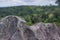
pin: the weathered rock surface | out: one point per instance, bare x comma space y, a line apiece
46, 31
15, 28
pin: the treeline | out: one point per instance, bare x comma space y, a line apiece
34, 14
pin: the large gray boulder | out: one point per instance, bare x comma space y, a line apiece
45, 31
15, 28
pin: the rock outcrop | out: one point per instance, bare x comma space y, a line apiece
15, 28
45, 31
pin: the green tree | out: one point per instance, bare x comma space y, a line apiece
58, 2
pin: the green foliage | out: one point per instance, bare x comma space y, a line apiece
58, 2
34, 14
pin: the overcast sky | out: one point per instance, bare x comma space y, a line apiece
4, 3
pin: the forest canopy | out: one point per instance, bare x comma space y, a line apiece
34, 14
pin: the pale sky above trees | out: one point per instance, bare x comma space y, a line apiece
4, 3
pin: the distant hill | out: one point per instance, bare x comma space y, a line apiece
33, 14
24, 10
